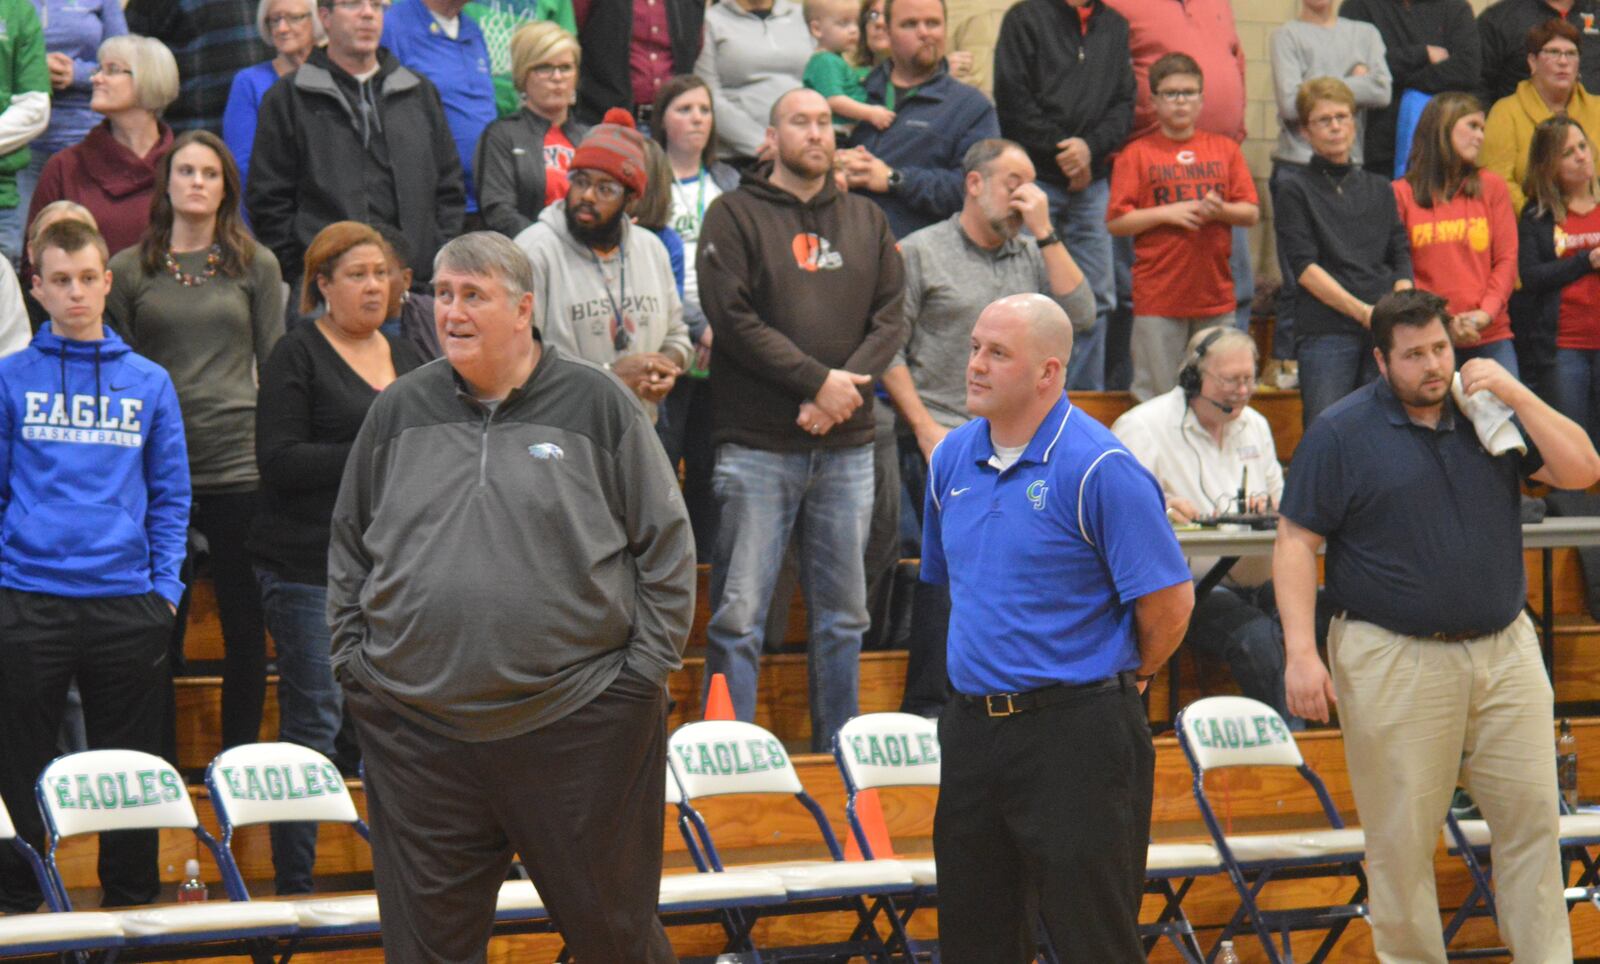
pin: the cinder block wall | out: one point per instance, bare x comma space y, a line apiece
1256, 20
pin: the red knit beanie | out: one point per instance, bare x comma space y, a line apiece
614, 147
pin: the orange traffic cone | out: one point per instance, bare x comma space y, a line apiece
870, 813
719, 705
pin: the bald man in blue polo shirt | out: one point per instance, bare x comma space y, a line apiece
1068, 591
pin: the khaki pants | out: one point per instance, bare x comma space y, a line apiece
1418, 714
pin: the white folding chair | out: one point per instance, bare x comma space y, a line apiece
59, 931
725, 757
1471, 841
881, 751
267, 783
717, 897
104, 790
1224, 732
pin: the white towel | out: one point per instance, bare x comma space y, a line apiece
1490, 417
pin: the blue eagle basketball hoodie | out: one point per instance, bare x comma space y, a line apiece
94, 475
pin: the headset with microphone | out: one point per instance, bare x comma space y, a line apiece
1189, 376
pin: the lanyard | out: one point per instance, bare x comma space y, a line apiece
621, 339
700, 200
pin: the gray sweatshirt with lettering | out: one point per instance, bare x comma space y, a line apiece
580, 294
491, 572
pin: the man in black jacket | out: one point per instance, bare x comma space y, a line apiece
353, 135
1432, 47
1063, 88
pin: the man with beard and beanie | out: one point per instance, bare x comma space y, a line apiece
604, 287
353, 136
955, 269
803, 288
1436, 669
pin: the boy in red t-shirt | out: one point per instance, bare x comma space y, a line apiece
1178, 191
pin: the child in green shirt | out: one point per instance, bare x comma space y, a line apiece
834, 25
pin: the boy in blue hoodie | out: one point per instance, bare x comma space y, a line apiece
94, 510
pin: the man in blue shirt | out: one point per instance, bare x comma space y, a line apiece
1068, 591
912, 169
1436, 670
435, 39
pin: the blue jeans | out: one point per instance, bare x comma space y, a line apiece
1503, 351
1331, 367
310, 705
1081, 220
1244, 277
762, 496
1576, 389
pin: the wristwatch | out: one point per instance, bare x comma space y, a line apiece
1048, 240
895, 179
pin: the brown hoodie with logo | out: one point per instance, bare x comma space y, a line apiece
792, 289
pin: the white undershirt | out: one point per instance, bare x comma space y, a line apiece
1005, 456
451, 25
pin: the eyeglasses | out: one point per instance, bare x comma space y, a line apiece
292, 19
1235, 383
356, 6
547, 71
607, 190
1178, 96
112, 70
1558, 54
1328, 121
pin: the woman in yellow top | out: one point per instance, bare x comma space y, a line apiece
1551, 87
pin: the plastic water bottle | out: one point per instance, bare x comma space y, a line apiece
1567, 766
193, 889
1227, 955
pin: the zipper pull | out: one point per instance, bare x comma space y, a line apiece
1080, 53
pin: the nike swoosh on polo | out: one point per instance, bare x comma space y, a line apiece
956, 492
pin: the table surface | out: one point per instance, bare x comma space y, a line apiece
1552, 532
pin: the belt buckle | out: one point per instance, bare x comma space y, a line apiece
991, 706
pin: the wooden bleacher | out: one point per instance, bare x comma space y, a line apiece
764, 830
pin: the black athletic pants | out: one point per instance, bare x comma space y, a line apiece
1045, 813
117, 649
581, 801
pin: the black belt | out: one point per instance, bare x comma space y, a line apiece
1010, 704
1436, 637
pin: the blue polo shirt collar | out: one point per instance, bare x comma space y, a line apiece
1396, 413
1040, 446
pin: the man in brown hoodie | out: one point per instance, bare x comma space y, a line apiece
802, 285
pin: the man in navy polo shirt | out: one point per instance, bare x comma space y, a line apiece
1436, 670
1068, 591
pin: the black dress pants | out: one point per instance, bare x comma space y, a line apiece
1044, 815
117, 649
581, 801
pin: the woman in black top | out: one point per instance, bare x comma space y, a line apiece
522, 158
315, 391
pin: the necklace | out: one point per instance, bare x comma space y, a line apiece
1338, 183
213, 259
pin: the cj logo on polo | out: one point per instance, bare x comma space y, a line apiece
1037, 491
